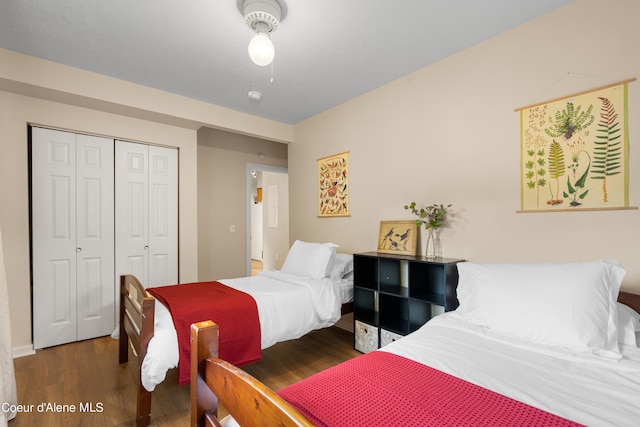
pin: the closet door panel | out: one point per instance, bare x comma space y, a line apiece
136, 265
96, 291
132, 210
54, 237
163, 216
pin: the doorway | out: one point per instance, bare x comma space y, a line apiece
267, 213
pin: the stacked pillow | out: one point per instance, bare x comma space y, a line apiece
628, 325
317, 260
571, 305
341, 267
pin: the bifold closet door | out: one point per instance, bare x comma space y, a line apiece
147, 213
72, 203
163, 216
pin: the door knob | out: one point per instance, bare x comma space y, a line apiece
78, 249
146, 248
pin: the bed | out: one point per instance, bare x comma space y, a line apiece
256, 310
530, 344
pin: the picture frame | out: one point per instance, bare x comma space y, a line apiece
574, 152
333, 185
398, 237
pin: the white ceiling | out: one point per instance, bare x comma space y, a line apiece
327, 51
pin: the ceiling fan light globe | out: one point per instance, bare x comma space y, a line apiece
261, 49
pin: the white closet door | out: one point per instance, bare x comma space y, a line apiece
163, 216
147, 213
54, 237
73, 237
95, 288
132, 210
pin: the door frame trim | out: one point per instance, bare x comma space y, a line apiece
262, 168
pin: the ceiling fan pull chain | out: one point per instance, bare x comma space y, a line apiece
271, 80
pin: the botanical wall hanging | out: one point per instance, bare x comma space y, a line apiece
333, 185
574, 151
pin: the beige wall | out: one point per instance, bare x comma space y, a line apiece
449, 134
222, 198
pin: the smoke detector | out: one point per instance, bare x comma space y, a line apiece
254, 95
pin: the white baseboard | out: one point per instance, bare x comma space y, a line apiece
25, 350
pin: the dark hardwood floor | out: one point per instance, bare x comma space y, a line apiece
87, 373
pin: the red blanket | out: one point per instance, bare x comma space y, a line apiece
382, 389
234, 311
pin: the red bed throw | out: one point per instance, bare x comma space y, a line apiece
382, 389
234, 311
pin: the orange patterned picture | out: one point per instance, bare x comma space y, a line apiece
333, 185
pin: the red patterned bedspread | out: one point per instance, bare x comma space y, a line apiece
234, 311
383, 389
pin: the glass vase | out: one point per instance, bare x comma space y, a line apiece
434, 249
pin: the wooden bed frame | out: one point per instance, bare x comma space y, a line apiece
137, 311
249, 401
232, 387
136, 326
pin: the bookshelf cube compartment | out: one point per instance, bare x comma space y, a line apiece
365, 272
390, 275
387, 337
364, 305
366, 337
427, 282
419, 313
393, 313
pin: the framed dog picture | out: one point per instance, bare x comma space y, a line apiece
398, 237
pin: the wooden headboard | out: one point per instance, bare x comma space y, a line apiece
632, 300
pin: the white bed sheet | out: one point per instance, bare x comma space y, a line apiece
587, 390
288, 307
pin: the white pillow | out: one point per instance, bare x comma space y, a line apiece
570, 305
309, 259
341, 266
628, 324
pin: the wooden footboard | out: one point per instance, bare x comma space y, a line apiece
204, 344
249, 401
137, 310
